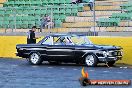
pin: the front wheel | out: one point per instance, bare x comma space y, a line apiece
35, 59
91, 60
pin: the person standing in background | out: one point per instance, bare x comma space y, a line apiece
79, 1
91, 2
74, 1
87, 2
44, 21
31, 39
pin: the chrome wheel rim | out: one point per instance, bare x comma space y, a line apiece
89, 60
34, 58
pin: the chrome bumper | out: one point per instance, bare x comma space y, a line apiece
104, 59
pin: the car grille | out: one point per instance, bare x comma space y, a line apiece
116, 53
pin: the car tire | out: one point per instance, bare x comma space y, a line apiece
91, 60
35, 59
111, 63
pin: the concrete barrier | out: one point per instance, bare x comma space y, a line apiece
8, 45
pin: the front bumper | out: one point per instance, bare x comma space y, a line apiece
107, 59
21, 55
16, 53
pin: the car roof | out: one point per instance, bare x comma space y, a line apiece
64, 35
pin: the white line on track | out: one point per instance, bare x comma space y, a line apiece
110, 67
14, 65
50, 67
62, 68
75, 69
91, 70
34, 66
105, 71
124, 67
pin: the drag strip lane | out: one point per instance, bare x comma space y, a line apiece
17, 73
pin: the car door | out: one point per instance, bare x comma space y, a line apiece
61, 52
47, 41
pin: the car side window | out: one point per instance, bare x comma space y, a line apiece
58, 42
63, 41
48, 41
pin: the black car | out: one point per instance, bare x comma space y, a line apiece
57, 48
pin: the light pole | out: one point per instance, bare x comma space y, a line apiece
94, 17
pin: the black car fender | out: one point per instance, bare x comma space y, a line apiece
89, 53
86, 54
34, 52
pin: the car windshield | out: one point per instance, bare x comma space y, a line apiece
81, 40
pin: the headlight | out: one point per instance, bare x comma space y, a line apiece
122, 53
105, 53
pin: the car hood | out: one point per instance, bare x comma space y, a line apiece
104, 47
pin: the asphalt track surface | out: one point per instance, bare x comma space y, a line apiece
17, 73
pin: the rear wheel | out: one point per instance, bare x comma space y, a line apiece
35, 59
91, 60
111, 63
